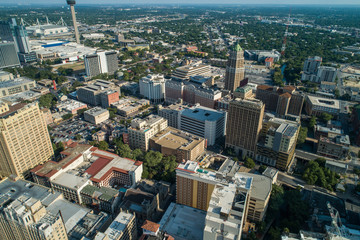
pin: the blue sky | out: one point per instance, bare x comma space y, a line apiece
340, 2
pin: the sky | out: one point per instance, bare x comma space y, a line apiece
302, 2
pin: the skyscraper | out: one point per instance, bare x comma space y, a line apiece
235, 70
244, 125
8, 55
24, 139
72, 7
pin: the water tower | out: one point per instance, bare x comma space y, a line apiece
72, 4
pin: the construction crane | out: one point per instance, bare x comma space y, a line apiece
283, 47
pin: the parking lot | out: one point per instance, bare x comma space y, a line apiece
69, 129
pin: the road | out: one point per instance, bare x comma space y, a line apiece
290, 180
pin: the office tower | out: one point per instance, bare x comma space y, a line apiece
24, 139
243, 125
326, 74
21, 37
142, 130
6, 33
153, 87
310, 69
235, 70
8, 55
101, 62
185, 72
72, 7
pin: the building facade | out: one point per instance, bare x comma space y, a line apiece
152, 87
8, 55
244, 125
99, 93
310, 69
101, 62
235, 70
24, 139
96, 115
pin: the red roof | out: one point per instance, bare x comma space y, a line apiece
102, 156
99, 164
93, 149
150, 226
269, 59
37, 168
51, 173
113, 169
138, 163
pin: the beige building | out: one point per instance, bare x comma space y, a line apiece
183, 145
6, 76
142, 130
185, 72
122, 228
96, 115
244, 92
235, 70
24, 216
260, 196
243, 126
16, 85
24, 139
47, 116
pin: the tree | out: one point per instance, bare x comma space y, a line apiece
262, 168
78, 137
302, 135
325, 117
67, 116
81, 111
47, 101
317, 174
102, 145
249, 163
312, 122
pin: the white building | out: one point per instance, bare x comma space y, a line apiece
153, 87
203, 122
310, 69
326, 74
96, 115
101, 62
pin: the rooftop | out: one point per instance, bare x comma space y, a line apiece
261, 186
203, 114
183, 222
16, 82
324, 102
175, 139
116, 228
70, 181
96, 111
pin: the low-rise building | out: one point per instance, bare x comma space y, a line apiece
71, 106
127, 107
96, 115
337, 167
315, 106
174, 142
337, 147
185, 72
16, 85
6, 76
328, 86
47, 115
142, 130
102, 198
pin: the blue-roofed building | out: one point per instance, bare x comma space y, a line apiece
203, 122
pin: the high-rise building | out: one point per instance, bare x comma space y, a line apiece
235, 70
243, 125
24, 139
153, 87
310, 69
277, 142
72, 7
101, 62
8, 55
185, 72
326, 74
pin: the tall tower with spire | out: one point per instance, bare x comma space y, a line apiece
235, 70
72, 7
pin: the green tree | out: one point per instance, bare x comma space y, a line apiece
312, 122
102, 145
302, 135
262, 168
325, 117
78, 137
47, 101
67, 116
249, 163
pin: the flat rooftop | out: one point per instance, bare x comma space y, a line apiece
116, 228
183, 222
70, 180
324, 102
203, 114
96, 111
174, 139
16, 82
70, 105
51, 167
261, 186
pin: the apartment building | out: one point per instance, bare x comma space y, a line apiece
244, 125
171, 113
174, 142
337, 147
142, 130
96, 115
24, 139
101, 62
310, 69
277, 142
